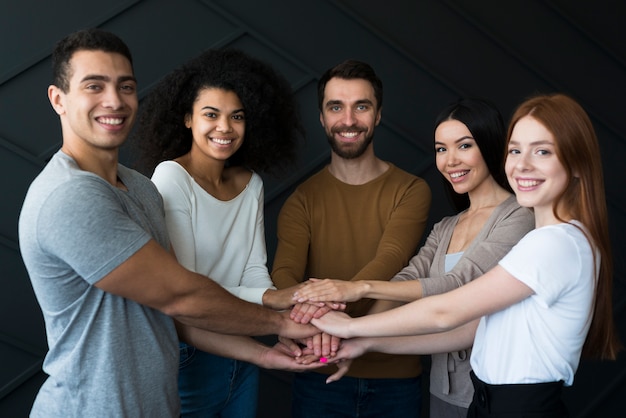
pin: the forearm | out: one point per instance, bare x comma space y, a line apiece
405, 291
232, 346
210, 307
455, 340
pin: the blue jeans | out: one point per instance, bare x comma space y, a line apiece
352, 397
214, 386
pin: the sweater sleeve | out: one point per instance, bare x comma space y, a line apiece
294, 236
173, 184
420, 264
402, 234
256, 279
502, 234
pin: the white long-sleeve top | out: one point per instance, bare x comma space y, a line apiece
223, 240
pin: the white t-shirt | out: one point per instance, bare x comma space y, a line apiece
540, 339
223, 240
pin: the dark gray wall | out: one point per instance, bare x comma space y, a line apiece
427, 52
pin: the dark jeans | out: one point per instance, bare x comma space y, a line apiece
352, 397
214, 386
538, 400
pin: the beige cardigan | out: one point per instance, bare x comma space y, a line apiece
449, 375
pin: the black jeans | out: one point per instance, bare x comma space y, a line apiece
539, 400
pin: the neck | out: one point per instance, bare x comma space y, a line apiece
488, 194
102, 162
209, 171
357, 171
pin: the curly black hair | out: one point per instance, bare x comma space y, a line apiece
273, 124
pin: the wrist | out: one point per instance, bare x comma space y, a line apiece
365, 289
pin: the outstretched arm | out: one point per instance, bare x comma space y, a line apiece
154, 278
490, 293
328, 290
242, 348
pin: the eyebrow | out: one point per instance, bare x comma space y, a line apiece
360, 101
456, 141
538, 142
98, 77
218, 110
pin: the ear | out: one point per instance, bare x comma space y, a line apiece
57, 99
322, 119
188, 121
379, 115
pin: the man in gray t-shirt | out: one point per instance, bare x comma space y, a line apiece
93, 239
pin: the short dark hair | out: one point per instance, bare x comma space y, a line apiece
350, 70
93, 39
484, 121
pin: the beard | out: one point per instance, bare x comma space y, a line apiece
348, 151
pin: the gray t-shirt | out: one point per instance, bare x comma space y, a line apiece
108, 356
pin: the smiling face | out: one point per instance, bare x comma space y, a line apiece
217, 124
534, 170
349, 116
458, 157
100, 105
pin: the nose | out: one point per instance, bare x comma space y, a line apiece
223, 124
348, 118
452, 157
113, 99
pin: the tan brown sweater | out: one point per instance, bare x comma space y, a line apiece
330, 229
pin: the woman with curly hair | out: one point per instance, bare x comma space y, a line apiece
209, 127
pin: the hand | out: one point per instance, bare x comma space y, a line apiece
302, 313
292, 329
328, 290
276, 358
279, 299
324, 345
334, 323
342, 368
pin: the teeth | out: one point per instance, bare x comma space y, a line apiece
222, 141
458, 174
111, 121
349, 134
528, 183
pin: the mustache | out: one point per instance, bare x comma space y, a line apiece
351, 128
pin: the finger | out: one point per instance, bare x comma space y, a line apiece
325, 344
289, 346
342, 369
334, 345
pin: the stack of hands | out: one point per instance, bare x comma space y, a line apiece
316, 302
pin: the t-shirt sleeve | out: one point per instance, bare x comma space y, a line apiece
84, 225
546, 260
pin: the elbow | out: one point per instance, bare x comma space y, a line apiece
443, 321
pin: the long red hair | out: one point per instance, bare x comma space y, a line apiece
583, 199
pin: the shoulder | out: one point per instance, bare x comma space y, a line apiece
169, 169
396, 175
512, 211
556, 242
169, 175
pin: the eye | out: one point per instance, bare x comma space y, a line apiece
465, 146
440, 149
211, 115
335, 108
239, 116
513, 151
543, 152
128, 88
93, 87
362, 107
